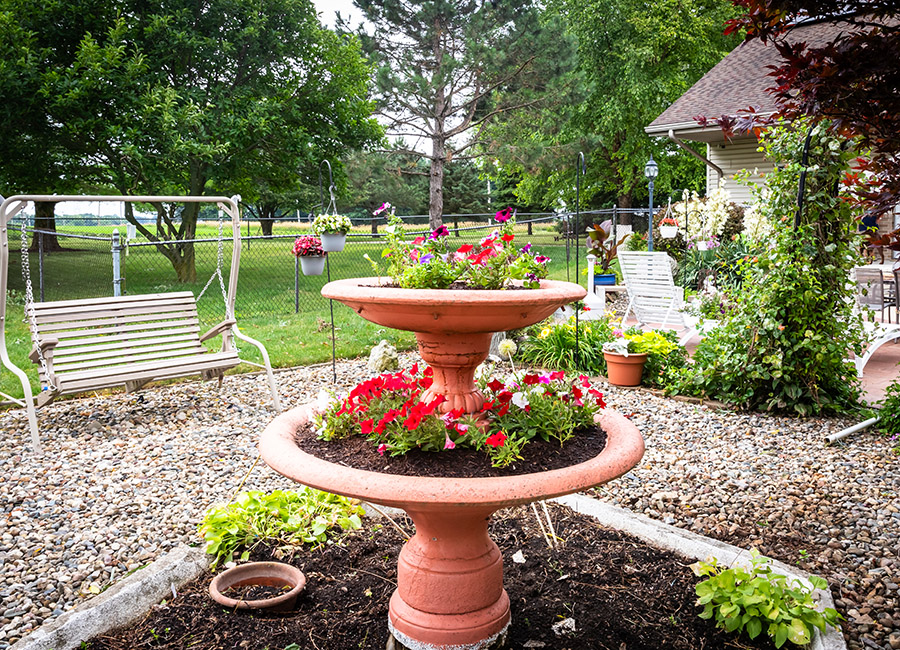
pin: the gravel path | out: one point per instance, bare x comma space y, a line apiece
126, 477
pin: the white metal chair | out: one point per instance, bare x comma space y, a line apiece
653, 296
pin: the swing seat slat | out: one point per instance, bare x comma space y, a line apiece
123, 341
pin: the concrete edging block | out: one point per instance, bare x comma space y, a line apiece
122, 604
692, 545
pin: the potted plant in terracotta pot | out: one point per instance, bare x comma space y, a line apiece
601, 244
668, 228
450, 574
308, 249
624, 367
333, 229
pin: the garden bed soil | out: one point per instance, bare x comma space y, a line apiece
461, 462
620, 593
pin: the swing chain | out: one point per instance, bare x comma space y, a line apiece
220, 257
29, 302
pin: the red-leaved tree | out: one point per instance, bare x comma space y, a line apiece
852, 81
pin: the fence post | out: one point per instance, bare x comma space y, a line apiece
41, 262
116, 259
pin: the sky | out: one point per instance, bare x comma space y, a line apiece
327, 9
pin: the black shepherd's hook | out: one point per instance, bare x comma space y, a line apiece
802, 189
580, 169
332, 208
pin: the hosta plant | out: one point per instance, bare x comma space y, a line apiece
287, 519
760, 601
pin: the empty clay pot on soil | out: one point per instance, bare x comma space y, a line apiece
264, 574
624, 371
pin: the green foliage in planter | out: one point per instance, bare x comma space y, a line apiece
286, 518
665, 357
889, 413
760, 600
784, 346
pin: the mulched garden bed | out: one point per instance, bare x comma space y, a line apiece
621, 594
462, 462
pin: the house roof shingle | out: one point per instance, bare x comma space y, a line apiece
738, 81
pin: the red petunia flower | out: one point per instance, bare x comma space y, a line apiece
495, 385
496, 440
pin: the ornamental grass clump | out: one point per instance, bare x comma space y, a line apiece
392, 411
428, 262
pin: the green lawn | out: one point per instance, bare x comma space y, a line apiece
267, 297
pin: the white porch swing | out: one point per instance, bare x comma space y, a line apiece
93, 343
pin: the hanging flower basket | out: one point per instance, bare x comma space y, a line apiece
668, 232
312, 264
333, 242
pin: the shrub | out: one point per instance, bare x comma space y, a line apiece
785, 345
889, 413
552, 345
664, 356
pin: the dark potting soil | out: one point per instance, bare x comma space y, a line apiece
538, 456
620, 593
255, 592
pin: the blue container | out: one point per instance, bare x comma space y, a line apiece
605, 278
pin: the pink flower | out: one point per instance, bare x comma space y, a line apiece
381, 448
449, 444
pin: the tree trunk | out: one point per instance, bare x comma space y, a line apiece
45, 219
438, 135
267, 213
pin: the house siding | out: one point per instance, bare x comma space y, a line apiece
732, 157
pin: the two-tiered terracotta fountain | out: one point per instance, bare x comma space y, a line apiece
450, 574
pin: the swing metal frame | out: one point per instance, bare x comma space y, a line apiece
228, 329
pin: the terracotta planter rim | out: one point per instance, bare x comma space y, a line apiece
624, 448
247, 573
550, 291
641, 356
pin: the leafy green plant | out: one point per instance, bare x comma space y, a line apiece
889, 413
784, 346
665, 357
760, 600
601, 244
281, 517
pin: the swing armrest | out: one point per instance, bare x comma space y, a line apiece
41, 348
218, 329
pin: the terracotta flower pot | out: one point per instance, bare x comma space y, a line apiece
624, 371
450, 574
312, 264
333, 242
453, 328
268, 574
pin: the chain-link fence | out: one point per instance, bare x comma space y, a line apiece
97, 256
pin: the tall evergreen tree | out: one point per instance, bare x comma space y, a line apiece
446, 68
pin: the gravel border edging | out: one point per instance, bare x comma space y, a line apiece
692, 545
121, 604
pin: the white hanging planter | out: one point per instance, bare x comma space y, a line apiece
333, 242
668, 232
312, 264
